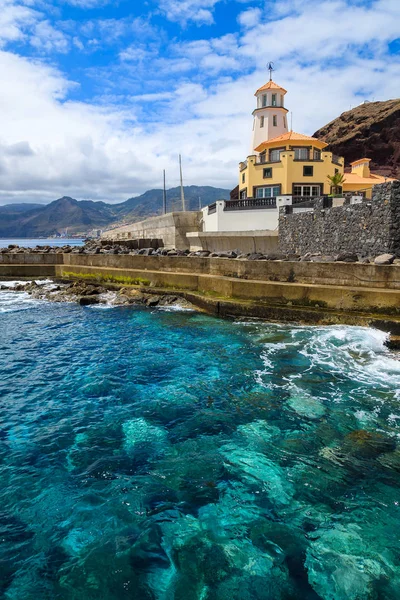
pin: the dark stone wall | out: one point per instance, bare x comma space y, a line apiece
367, 229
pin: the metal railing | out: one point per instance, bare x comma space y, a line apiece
250, 204
212, 208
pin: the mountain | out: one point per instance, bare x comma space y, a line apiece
150, 203
371, 130
32, 220
12, 209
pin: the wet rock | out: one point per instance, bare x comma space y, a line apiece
384, 259
88, 300
153, 301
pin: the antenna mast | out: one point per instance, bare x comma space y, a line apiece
270, 69
164, 197
182, 192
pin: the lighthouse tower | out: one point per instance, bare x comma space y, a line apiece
270, 116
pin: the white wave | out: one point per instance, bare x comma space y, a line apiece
14, 283
175, 308
358, 353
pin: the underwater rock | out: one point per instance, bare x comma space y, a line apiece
307, 406
255, 468
367, 444
258, 435
391, 460
138, 432
341, 565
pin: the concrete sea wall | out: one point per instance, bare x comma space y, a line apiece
346, 288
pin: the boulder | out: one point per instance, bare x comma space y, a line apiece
256, 256
88, 300
384, 259
346, 257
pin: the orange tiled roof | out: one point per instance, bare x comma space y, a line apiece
271, 85
291, 136
352, 178
360, 161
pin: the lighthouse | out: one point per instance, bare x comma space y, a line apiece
270, 115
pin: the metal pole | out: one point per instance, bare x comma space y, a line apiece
182, 192
164, 197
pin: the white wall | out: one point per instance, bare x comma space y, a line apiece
243, 220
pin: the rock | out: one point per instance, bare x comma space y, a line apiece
307, 406
323, 259
346, 257
172, 253
256, 256
138, 432
342, 562
367, 444
153, 301
365, 261
88, 300
276, 256
384, 259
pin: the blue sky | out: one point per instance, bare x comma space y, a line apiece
99, 97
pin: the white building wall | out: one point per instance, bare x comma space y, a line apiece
242, 220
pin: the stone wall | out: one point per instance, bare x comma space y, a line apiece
367, 229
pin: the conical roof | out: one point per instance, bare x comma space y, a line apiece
271, 85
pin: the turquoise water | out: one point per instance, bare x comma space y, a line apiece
33, 242
173, 456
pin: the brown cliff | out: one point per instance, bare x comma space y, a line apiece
371, 130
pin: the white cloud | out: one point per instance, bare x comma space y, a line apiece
250, 17
328, 60
14, 19
45, 38
183, 11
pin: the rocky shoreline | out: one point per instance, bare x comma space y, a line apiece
87, 294
93, 247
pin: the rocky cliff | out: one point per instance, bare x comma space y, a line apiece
371, 130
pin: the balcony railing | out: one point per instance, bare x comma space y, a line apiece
264, 161
212, 208
250, 204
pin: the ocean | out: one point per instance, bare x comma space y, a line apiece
33, 242
159, 454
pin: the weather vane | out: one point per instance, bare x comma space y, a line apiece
270, 69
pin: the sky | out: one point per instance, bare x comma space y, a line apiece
97, 97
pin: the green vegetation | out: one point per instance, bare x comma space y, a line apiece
337, 180
102, 278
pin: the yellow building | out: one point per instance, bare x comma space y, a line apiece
283, 162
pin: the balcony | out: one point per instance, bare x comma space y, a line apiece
263, 161
250, 204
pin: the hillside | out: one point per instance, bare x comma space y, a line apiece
32, 220
371, 130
